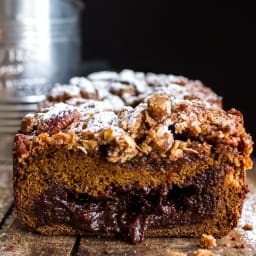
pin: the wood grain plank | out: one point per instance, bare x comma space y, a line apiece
230, 245
15, 239
6, 195
149, 247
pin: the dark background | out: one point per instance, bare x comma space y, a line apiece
210, 41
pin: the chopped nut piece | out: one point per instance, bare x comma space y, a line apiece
160, 138
89, 144
176, 151
28, 123
159, 106
124, 146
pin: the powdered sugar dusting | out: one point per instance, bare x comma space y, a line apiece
29, 115
56, 110
103, 75
101, 121
137, 79
115, 101
83, 83
102, 88
60, 89
131, 88
93, 106
117, 86
133, 115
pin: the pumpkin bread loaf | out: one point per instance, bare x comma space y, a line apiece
131, 154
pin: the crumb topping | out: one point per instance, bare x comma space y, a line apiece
161, 126
130, 88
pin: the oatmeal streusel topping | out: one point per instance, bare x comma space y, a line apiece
160, 126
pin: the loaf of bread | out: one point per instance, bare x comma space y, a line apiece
131, 154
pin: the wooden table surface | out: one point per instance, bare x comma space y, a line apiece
15, 239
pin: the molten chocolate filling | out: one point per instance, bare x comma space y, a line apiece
129, 211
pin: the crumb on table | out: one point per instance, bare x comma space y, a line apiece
247, 227
207, 241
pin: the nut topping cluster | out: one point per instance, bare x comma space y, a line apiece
161, 126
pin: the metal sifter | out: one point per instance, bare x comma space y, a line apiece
39, 46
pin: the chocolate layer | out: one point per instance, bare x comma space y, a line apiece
131, 210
